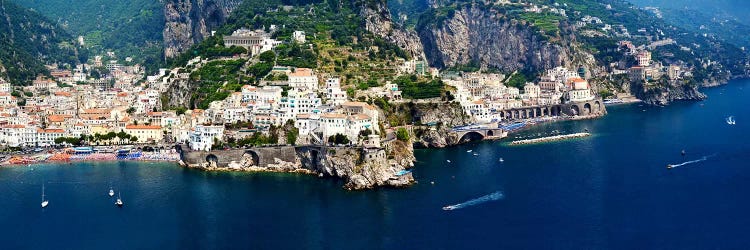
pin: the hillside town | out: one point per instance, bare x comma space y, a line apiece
107, 103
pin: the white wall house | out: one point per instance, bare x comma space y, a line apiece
203, 137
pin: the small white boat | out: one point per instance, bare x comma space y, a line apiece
475, 154
731, 121
44, 201
501, 159
449, 161
468, 151
448, 208
111, 192
119, 202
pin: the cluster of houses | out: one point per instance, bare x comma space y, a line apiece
318, 109
646, 69
485, 97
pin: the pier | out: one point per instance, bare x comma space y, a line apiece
550, 138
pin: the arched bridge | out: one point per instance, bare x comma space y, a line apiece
261, 156
590, 108
479, 132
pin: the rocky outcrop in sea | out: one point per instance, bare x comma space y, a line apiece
359, 167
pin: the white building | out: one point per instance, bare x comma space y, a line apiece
255, 41
303, 78
580, 91
334, 94
203, 137
298, 36
4, 86
531, 90
299, 102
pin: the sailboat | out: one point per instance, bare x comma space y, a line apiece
44, 201
119, 201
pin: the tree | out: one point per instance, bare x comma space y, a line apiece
402, 134
130, 110
268, 56
338, 139
97, 137
122, 136
291, 136
365, 133
181, 110
133, 138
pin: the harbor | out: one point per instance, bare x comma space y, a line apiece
549, 139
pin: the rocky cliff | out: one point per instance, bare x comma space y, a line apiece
664, 92
360, 168
190, 21
378, 21
479, 35
442, 117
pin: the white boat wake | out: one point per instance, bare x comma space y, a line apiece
731, 121
670, 166
487, 198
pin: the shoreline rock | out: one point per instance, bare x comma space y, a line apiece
360, 168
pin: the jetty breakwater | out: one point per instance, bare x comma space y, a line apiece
550, 139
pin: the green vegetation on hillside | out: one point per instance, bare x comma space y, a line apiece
413, 88
129, 28
216, 80
337, 44
28, 41
547, 23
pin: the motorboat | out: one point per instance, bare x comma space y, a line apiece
111, 192
731, 121
501, 159
448, 208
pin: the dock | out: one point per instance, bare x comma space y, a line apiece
550, 139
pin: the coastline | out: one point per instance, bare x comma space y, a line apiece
39, 158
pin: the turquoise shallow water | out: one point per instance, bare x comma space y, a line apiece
611, 190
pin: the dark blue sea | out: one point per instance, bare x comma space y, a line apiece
608, 191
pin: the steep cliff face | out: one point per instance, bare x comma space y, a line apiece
363, 169
479, 35
445, 116
190, 21
663, 93
178, 94
378, 21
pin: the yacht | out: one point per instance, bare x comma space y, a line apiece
44, 201
119, 200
